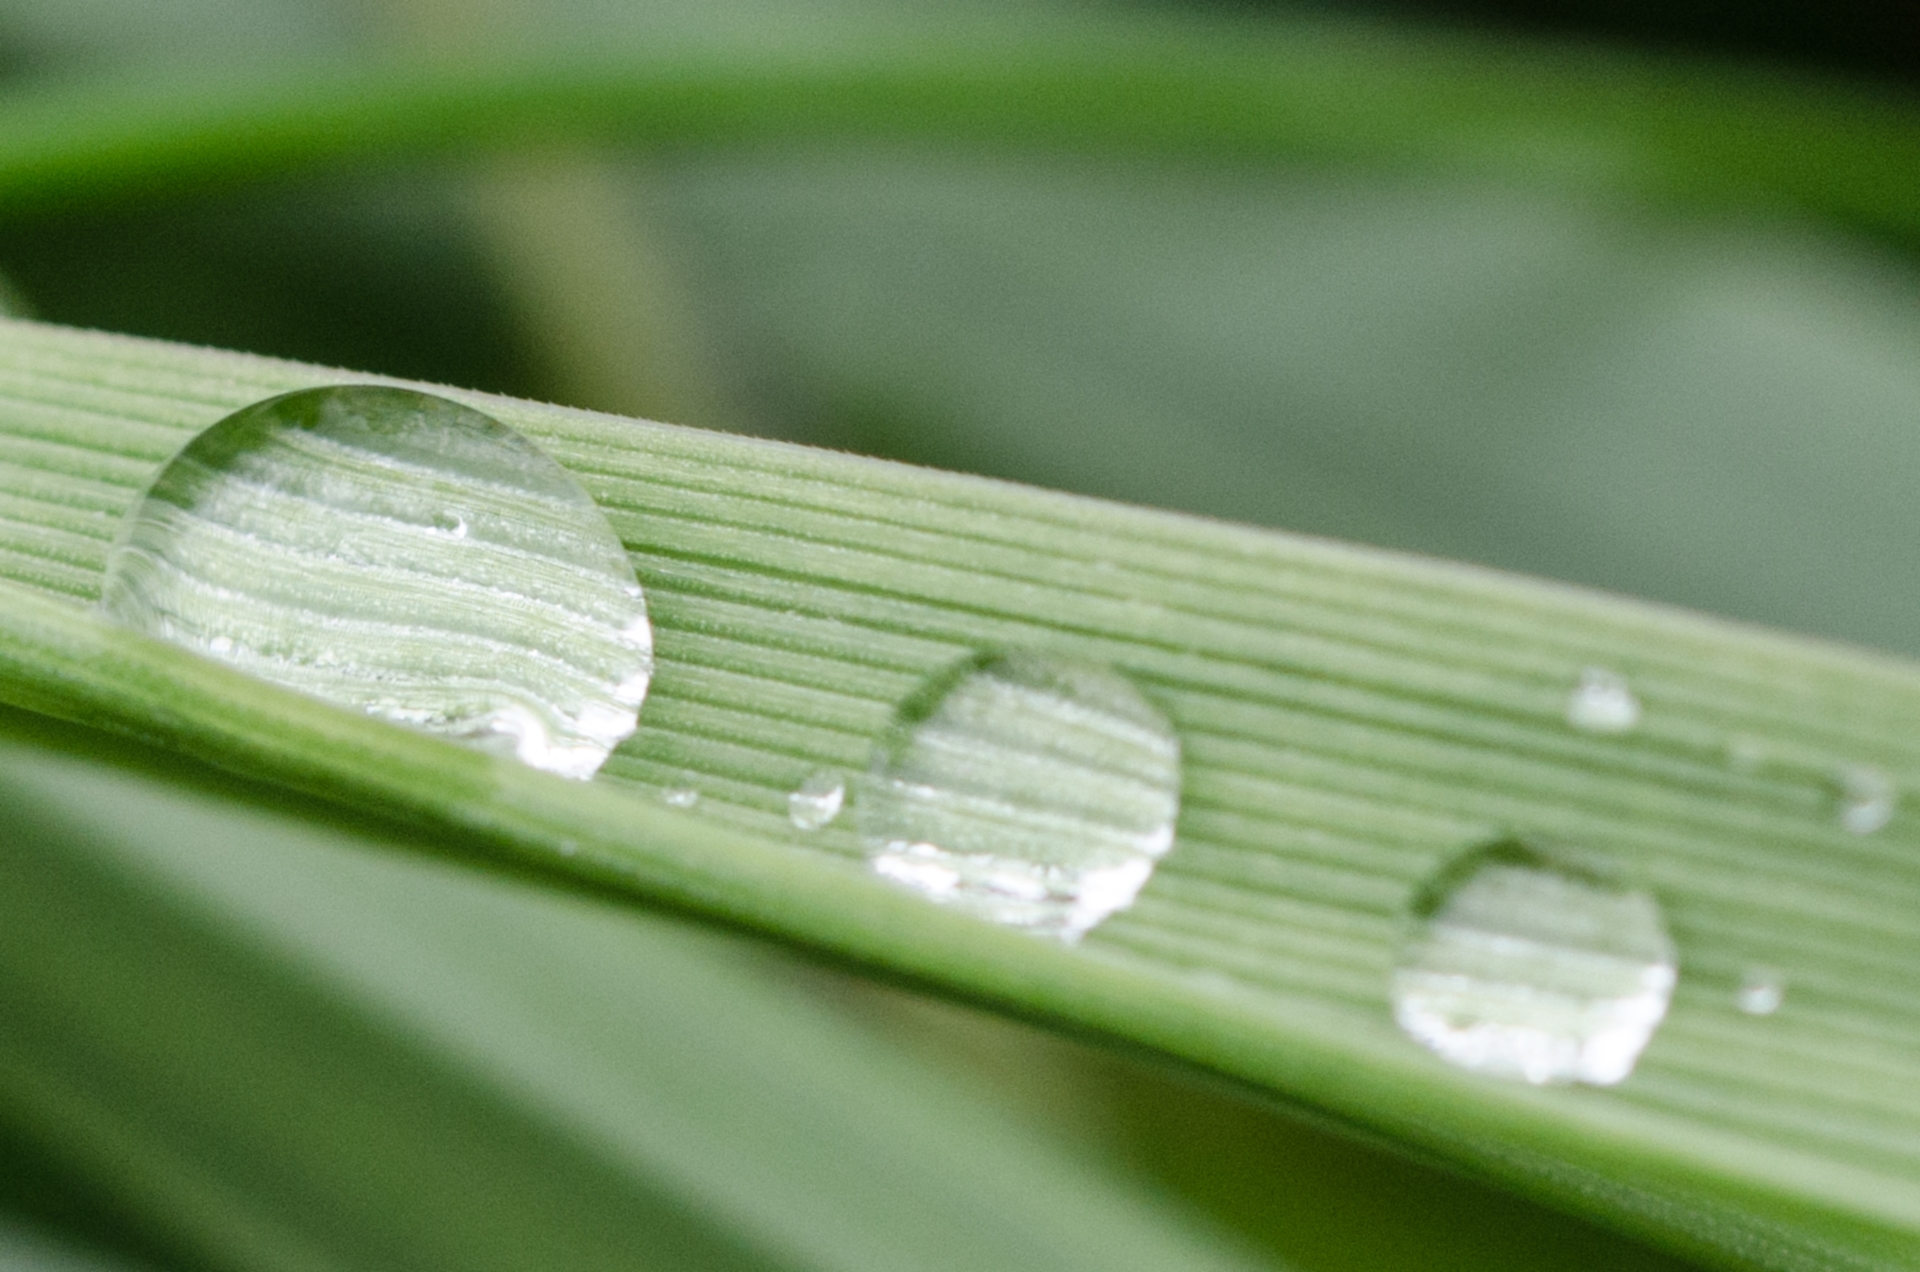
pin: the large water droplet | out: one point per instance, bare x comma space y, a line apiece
1024, 789
1524, 965
401, 554
817, 800
1602, 703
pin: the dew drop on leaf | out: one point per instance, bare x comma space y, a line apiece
1602, 703
1867, 798
1025, 789
1762, 990
680, 797
401, 554
1524, 965
817, 800
1746, 754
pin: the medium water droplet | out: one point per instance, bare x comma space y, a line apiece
1867, 798
304, 539
1602, 703
680, 797
1024, 789
817, 800
1527, 966
1762, 990
451, 524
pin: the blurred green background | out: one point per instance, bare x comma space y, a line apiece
1529, 365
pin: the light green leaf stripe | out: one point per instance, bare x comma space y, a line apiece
1351, 720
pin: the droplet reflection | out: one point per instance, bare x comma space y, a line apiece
1602, 703
1867, 798
399, 554
1523, 965
817, 800
1762, 990
1029, 790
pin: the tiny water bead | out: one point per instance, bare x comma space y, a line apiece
1762, 990
1602, 703
1746, 754
817, 800
401, 554
1867, 798
1024, 789
680, 797
1526, 965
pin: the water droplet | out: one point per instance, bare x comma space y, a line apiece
1867, 797
1746, 753
817, 800
1524, 965
1762, 990
1024, 789
303, 539
451, 524
680, 797
1602, 703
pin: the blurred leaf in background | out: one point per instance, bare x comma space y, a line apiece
1706, 405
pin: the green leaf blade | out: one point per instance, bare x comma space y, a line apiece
1351, 721
285, 1042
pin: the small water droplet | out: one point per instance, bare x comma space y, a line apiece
1024, 789
1602, 703
1762, 990
1528, 966
1867, 798
297, 540
817, 800
680, 797
1746, 753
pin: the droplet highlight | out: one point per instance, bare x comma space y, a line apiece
680, 797
400, 554
1525, 965
1762, 990
1602, 703
1025, 789
1746, 754
1867, 799
817, 800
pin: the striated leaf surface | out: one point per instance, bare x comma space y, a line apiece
1351, 722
